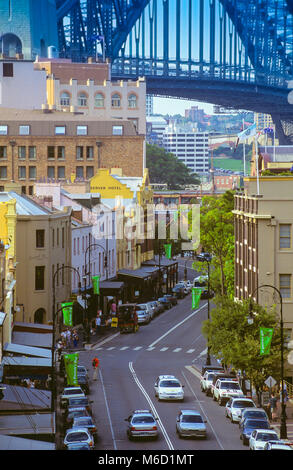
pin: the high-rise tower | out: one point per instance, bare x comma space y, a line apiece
27, 27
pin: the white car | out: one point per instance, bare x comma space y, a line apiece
80, 435
167, 387
235, 406
206, 382
225, 389
143, 312
71, 392
259, 438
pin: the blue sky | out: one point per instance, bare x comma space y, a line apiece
177, 106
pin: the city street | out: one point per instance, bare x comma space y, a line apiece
129, 365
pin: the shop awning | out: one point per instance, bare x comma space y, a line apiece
19, 443
163, 262
39, 340
143, 273
17, 398
23, 350
28, 424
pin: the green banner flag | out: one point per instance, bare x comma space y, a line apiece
168, 250
196, 294
67, 313
70, 362
96, 284
266, 335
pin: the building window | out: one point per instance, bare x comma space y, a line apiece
61, 153
32, 172
22, 172
24, 130
117, 130
32, 152
60, 130
51, 152
3, 172
82, 99
39, 277
285, 236
21, 152
79, 153
116, 101
63, 237
51, 172
65, 99
132, 101
3, 151
7, 69
61, 172
90, 153
99, 100
285, 285
3, 130
81, 130
89, 172
40, 238
79, 172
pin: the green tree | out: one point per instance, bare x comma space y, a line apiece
217, 237
237, 343
165, 167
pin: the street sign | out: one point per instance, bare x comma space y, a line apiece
270, 382
265, 398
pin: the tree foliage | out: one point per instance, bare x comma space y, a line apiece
165, 167
237, 343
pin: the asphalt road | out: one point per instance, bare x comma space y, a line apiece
129, 364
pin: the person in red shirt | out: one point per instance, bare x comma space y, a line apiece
95, 364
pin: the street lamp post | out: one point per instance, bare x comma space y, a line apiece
53, 395
283, 427
206, 257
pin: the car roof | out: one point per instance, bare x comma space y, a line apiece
190, 412
77, 429
243, 399
252, 409
162, 377
136, 412
266, 430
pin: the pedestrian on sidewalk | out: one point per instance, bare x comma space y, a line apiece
68, 338
98, 324
75, 338
273, 407
95, 364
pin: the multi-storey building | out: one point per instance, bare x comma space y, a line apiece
191, 148
42, 246
264, 243
87, 88
37, 146
149, 105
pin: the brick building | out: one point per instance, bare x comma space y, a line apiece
49, 146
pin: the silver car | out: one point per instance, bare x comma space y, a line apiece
143, 313
142, 423
189, 423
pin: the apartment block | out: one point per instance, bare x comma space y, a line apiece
37, 146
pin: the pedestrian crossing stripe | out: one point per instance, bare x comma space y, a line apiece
138, 348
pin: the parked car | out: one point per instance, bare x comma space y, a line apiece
277, 445
249, 425
189, 423
259, 438
81, 401
78, 435
82, 370
85, 422
70, 392
234, 407
143, 313
225, 389
156, 307
77, 412
141, 423
152, 309
167, 387
206, 382
166, 302
186, 285
79, 446
172, 298
83, 382
253, 413
201, 282
178, 291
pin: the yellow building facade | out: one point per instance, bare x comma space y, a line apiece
132, 198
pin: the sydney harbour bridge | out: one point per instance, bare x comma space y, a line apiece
235, 53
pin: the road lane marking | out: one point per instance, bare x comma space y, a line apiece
108, 411
110, 349
124, 347
203, 353
137, 348
177, 350
156, 414
164, 349
177, 325
150, 348
199, 403
106, 340
190, 351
